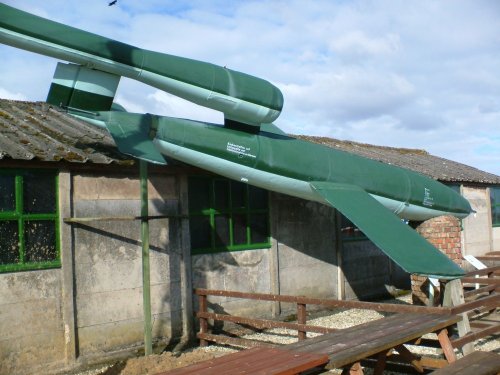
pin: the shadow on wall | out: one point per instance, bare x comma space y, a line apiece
306, 237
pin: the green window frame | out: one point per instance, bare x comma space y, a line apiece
29, 220
495, 205
227, 215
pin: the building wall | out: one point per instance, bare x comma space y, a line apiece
368, 272
244, 271
477, 232
303, 248
32, 331
108, 262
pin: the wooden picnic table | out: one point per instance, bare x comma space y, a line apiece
347, 347
476, 363
255, 361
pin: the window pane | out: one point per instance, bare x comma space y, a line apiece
199, 194
39, 241
495, 210
240, 229
257, 197
39, 193
495, 194
7, 193
238, 193
199, 227
221, 192
259, 228
9, 242
222, 231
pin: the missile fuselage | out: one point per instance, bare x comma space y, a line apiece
241, 97
285, 164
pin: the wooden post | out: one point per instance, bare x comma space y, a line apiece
454, 296
203, 307
445, 343
301, 319
146, 280
188, 333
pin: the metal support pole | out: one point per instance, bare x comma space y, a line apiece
146, 292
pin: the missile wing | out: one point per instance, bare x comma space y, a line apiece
398, 241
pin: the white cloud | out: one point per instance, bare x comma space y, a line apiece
358, 44
5, 94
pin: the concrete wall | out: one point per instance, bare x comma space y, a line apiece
31, 326
244, 271
368, 272
304, 241
477, 233
108, 267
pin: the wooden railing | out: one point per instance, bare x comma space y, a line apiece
300, 326
481, 292
482, 300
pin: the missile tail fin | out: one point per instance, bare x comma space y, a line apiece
132, 135
397, 240
78, 87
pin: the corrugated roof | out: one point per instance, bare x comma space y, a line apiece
414, 159
38, 131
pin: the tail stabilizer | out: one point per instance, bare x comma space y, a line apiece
132, 134
79, 87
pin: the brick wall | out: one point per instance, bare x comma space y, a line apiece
444, 232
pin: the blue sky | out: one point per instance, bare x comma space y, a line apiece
417, 74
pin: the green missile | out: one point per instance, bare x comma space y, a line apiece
248, 147
239, 96
373, 195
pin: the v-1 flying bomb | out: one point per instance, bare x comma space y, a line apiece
247, 147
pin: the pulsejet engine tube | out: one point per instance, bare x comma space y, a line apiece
241, 97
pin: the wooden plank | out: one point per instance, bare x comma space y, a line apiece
480, 280
448, 351
477, 292
476, 363
483, 272
387, 307
454, 296
255, 361
346, 334
384, 340
355, 343
473, 336
410, 358
491, 301
264, 324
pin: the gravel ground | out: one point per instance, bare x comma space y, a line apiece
334, 319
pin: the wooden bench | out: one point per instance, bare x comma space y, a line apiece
347, 347
476, 363
262, 361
